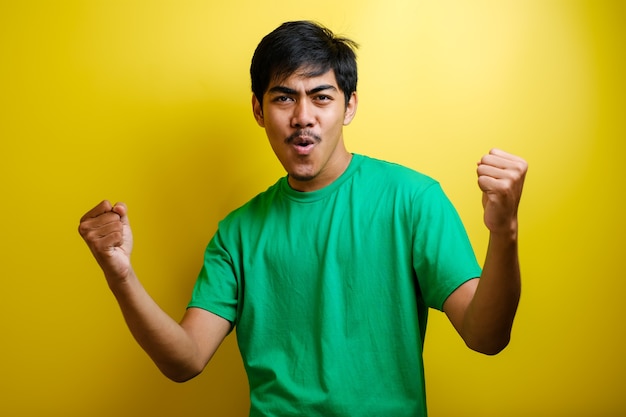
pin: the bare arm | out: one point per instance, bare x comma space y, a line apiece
483, 310
180, 351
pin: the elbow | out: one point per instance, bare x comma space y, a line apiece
489, 347
180, 375
180, 378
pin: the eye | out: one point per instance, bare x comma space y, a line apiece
282, 99
323, 98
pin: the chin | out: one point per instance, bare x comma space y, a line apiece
301, 177
302, 172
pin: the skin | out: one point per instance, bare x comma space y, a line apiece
482, 311
180, 350
304, 118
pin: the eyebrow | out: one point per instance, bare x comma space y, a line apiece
291, 91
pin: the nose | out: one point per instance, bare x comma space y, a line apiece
302, 115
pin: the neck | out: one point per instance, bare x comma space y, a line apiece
333, 169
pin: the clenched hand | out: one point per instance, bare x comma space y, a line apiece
106, 231
501, 178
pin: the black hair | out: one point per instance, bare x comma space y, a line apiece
306, 46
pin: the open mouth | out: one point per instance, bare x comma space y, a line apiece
303, 138
303, 146
303, 141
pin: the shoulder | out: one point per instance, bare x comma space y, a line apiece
391, 175
254, 208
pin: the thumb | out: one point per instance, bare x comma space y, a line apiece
121, 210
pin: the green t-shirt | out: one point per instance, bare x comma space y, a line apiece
329, 290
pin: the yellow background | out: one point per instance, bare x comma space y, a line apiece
149, 103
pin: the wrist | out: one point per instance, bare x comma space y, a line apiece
118, 282
504, 234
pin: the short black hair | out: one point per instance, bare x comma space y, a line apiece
303, 45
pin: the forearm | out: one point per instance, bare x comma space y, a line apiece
175, 348
164, 340
483, 310
489, 318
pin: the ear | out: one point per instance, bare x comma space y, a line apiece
257, 110
350, 109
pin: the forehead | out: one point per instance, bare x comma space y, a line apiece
304, 78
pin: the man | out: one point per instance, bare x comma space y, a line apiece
329, 274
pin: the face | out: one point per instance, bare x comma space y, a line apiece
303, 118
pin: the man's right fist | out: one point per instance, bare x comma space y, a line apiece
106, 231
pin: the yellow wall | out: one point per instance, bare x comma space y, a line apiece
149, 103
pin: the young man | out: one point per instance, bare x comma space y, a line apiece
329, 274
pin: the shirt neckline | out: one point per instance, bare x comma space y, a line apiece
311, 196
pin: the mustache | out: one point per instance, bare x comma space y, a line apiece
303, 134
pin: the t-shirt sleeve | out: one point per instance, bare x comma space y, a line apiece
216, 288
443, 257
